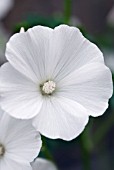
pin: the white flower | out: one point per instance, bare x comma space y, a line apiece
42, 164
57, 77
110, 17
5, 6
74, 21
19, 143
109, 59
3, 39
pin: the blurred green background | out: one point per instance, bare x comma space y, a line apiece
94, 148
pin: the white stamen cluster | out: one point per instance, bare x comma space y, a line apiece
48, 87
2, 150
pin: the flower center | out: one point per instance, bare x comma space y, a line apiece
2, 150
48, 87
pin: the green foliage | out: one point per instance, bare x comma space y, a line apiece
34, 20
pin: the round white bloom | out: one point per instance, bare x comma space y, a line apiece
5, 6
42, 164
19, 143
57, 77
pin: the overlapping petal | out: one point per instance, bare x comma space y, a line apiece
91, 86
70, 50
21, 96
42, 53
61, 118
27, 51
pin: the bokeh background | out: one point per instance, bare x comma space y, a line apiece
94, 148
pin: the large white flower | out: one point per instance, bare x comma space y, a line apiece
19, 143
42, 164
5, 6
57, 77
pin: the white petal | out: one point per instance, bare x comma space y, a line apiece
9, 164
43, 164
91, 86
20, 96
21, 141
42, 53
5, 6
61, 118
69, 50
27, 52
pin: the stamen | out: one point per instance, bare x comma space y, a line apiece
48, 87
